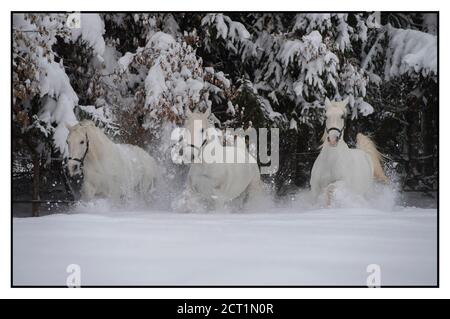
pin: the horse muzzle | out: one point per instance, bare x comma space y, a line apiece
334, 135
74, 168
333, 140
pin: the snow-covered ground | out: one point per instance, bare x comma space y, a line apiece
282, 246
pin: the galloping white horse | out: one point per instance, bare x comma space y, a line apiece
110, 170
337, 164
233, 173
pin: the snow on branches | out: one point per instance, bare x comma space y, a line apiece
170, 78
91, 31
310, 57
39, 76
310, 62
396, 52
236, 37
411, 52
334, 25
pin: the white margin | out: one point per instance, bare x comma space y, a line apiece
230, 5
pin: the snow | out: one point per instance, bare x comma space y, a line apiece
91, 31
226, 28
60, 101
230, 108
311, 55
343, 39
222, 29
365, 108
323, 23
19, 22
161, 41
293, 124
238, 31
110, 62
411, 51
222, 78
175, 79
268, 110
164, 78
155, 84
59, 98
99, 115
312, 21
281, 246
63, 115
125, 60
233, 33
170, 25
54, 81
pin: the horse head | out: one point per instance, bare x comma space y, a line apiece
195, 137
78, 145
335, 114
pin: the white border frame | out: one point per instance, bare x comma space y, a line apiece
235, 293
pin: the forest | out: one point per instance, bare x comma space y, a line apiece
136, 74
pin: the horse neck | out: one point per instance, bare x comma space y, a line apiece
98, 144
334, 152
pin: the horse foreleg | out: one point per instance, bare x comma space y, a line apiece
330, 194
87, 192
255, 189
219, 203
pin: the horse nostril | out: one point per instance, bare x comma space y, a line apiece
180, 152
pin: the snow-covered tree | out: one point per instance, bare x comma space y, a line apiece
402, 66
44, 99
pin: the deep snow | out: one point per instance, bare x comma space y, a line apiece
282, 246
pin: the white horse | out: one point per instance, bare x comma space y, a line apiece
218, 174
337, 164
110, 170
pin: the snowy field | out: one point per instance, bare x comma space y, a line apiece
281, 246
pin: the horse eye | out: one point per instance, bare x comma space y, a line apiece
82, 142
202, 130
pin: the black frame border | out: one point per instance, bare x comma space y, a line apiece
12, 285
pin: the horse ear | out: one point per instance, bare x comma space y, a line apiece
208, 111
68, 126
327, 102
